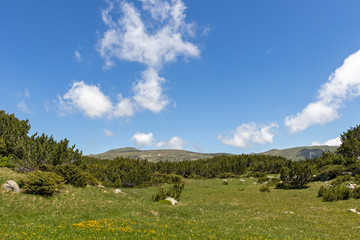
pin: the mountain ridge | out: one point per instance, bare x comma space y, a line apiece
173, 155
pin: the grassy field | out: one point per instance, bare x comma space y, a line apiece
207, 210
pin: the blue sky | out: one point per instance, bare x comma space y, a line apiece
234, 76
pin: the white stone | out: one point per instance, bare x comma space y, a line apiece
350, 186
172, 200
242, 180
117, 190
352, 210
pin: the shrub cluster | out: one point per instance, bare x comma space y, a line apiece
333, 193
42, 183
74, 175
264, 189
173, 192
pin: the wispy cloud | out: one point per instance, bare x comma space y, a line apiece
331, 142
77, 56
343, 84
248, 133
147, 140
22, 106
108, 133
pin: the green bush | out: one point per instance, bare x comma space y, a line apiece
264, 189
72, 175
334, 193
262, 179
4, 162
176, 190
273, 182
356, 193
341, 179
160, 195
42, 183
225, 182
173, 192
227, 175
241, 189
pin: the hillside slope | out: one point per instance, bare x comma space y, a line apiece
170, 155
301, 153
297, 153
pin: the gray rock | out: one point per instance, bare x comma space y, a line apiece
11, 186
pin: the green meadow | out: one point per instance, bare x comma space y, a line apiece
207, 210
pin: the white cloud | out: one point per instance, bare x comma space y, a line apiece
27, 93
249, 133
331, 142
343, 84
147, 140
108, 133
77, 56
153, 36
22, 106
88, 99
153, 41
174, 143
143, 139
149, 93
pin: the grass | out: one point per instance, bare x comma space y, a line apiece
207, 210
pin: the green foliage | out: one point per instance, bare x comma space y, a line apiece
350, 143
173, 192
73, 175
42, 183
330, 172
355, 193
334, 193
227, 175
262, 179
4, 162
264, 189
29, 153
297, 175
273, 182
160, 195
167, 202
341, 179
225, 182
160, 178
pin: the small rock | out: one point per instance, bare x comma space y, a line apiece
100, 186
155, 214
288, 212
242, 180
117, 190
352, 210
11, 186
172, 200
350, 186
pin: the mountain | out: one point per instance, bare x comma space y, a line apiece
301, 153
170, 155
297, 153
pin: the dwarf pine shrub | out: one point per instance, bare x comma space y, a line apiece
42, 183
264, 189
356, 193
173, 192
334, 193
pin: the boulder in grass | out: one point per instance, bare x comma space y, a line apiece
117, 191
11, 186
172, 200
350, 186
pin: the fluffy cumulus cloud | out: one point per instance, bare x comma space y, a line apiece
90, 100
331, 142
248, 133
152, 35
343, 84
147, 140
143, 139
173, 143
153, 40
